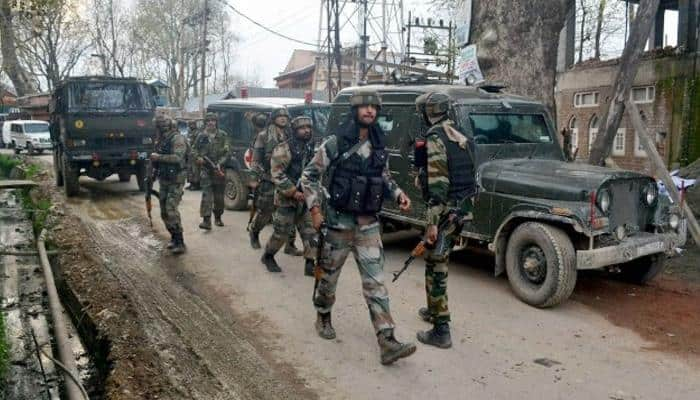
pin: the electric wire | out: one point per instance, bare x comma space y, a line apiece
69, 373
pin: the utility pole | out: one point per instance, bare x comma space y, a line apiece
202, 83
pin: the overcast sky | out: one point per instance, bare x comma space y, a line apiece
263, 55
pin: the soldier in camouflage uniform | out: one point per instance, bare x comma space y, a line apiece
192, 167
265, 143
170, 159
212, 144
287, 162
358, 181
446, 160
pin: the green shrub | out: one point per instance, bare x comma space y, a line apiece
7, 163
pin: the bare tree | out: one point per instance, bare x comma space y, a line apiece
11, 65
599, 27
108, 27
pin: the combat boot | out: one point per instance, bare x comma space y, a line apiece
324, 326
309, 267
218, 221
439, 336
291, 249
269, 261
424, 314
391, 349
254, 240
206, 223
179, 246
171, 243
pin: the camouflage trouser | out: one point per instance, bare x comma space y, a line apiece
365, 242
284, 222
193, 172
170, 197
264, 207
213, 189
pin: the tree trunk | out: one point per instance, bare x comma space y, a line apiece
10, 62
629, 62
517, 43
599, 27
582, 38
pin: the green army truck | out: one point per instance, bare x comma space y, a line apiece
101, 126
541, 217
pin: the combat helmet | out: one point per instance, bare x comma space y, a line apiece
365, 97
211, 116
436, 105
163, 122
279, 112
259, 120
301, 121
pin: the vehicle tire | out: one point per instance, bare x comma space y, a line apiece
141, 176
71, 183
644, 269
14, 146
30, 149
541, 264
236, 192
124, 177
57, 169
40, 151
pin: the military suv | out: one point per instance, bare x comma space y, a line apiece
100, 126
235, 119
541, 217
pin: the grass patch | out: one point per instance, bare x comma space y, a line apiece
4, 351
7, 163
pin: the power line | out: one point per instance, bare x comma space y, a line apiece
224, 2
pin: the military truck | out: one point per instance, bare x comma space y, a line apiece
100, 126
234, 119
541, 217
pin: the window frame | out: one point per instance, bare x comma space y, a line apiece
647, 90
580, 95
621, 132
637, 144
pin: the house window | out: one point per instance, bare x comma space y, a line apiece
592, 131
573, 127
641, 95
638, 148
619, 144
586, 99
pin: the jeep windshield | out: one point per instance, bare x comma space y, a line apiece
36, 128
108, 97
500, 128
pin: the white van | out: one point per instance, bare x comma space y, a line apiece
29, 135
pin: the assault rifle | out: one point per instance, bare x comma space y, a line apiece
322, 232
149, 178
214, 167
419, 250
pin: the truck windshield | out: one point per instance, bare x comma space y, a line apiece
36, 128
108, 96
498, 128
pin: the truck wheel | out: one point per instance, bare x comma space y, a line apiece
124, 177
30, 149
71, 184
236, 193
644, 269
141, 176
14, 146
57, 169
541, 264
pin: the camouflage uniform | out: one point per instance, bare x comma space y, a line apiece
172, 161
264, 144
286, 164
213, 144
193, 170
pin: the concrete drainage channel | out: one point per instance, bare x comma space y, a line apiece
34, 371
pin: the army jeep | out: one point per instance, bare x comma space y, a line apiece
543, 218
235, 119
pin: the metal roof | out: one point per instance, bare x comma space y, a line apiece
458, 93
267, 102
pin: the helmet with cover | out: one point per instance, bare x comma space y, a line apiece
365, 97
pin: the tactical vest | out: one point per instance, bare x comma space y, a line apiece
460, 164
272, 142
301, 152
357, 185
168, 171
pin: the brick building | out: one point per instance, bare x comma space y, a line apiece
665, 90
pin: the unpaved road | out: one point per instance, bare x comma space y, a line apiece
593, 351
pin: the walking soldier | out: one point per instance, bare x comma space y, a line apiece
358, 180
170, 157
287, 161
192, 167
446, 161
211, 150
265, 142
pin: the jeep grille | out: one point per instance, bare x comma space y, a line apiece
627, 207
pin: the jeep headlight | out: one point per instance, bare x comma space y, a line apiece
650, 193
674, 220
604, 200
77, 142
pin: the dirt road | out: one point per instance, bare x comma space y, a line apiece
217, 307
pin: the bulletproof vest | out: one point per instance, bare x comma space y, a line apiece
461, 166
301, 153
357, 185
272, 143
168, 171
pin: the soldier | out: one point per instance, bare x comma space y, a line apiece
287, 162
211, 150
170, 157
265, 142
448, 187
358, 180
192, 167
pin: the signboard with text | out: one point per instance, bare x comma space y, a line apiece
468, 66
